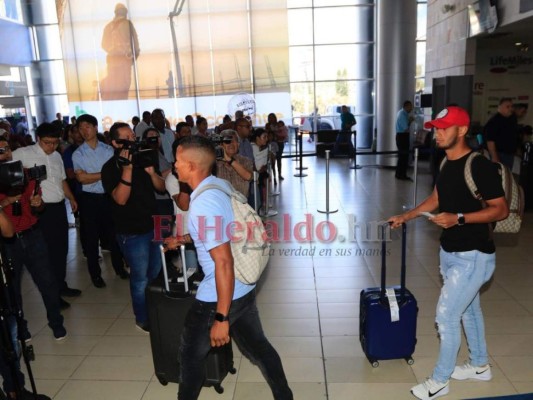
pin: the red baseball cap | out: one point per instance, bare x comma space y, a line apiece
450, 116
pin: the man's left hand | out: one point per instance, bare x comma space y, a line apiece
445, 220
73, 205
219, 334
150, 170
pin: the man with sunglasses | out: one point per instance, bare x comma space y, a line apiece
53, 220
236, 169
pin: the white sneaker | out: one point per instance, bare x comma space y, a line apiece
468, 371
430, 389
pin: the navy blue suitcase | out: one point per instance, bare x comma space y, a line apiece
168, 304
381, 338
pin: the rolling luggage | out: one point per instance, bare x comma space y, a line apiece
168, 304
387, 319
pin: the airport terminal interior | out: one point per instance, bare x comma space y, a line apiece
308, 302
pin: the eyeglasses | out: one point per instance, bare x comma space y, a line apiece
227, 141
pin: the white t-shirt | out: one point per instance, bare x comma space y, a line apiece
182, 217
260, 156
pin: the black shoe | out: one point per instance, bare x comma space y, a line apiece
123, 274
27, 395
281, 178
63, 305
70, 292
142, 327
60, 333
99, 282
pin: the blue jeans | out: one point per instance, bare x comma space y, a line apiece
464, 273
142, 254
246, 331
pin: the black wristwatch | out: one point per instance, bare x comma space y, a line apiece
221, 317
460, 219
231, 161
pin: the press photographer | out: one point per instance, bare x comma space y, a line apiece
131, 186
53, 220
20, 232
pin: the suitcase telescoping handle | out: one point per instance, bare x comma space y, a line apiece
165, 271
384, 228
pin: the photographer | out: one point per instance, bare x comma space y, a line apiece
53, 220
28, 247
131, 187
236, 169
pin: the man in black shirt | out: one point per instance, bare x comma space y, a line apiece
467, 254
501, 134
131, 186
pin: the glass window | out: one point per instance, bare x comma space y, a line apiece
325, 3
299, 3
421, 19
344, 25
347, 61
301, 63
420, 59
302, 99
357, 94
300, 27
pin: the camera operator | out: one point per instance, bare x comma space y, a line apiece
236, 169
131, 187
28, 247
53, 220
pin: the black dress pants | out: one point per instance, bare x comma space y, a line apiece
54, 225
97, 225
402, 142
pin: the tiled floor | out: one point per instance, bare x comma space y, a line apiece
309, 303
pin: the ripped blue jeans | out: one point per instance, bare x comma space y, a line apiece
464, 273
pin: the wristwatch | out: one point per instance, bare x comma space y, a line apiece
460, 219
221, 317
231, 161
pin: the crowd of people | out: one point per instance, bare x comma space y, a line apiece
116, 182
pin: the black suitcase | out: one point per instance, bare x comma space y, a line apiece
381, 337
167, 304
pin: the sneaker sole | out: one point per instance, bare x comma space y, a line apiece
474, 378
61, 338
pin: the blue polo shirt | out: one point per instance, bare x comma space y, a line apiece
402, 121
209, 215
91, 161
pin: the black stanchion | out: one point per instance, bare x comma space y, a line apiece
354, 165
327, 210
300, 168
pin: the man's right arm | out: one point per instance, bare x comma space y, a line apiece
430, 204
6, 226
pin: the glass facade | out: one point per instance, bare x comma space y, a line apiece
331, 50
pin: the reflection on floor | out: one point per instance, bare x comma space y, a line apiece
308, 301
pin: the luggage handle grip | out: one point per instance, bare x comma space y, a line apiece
384, 261
165, 271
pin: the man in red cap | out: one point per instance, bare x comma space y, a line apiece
467, 253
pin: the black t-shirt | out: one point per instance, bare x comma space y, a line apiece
502, 131
134, 217
455, 197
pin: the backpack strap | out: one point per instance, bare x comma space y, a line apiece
469, 179
231, 192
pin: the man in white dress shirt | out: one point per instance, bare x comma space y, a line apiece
53, 220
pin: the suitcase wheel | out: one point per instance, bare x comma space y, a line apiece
410, 360
375, 364
162, 381
219, 389
232, 371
